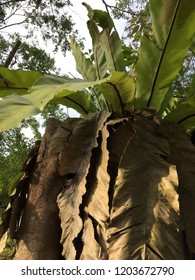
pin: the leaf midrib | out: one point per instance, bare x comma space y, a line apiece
163, 54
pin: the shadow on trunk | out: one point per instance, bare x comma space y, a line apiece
109, 189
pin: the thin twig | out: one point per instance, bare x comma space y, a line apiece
116, 8
17, 23
107, 6
11, 1
11, 14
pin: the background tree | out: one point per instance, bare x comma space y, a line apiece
50, 20
15, 147
27, 56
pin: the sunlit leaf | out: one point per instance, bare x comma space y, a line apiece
16, 81
107, 46
113, 50
159, 63
191, 91
184, 113
83, 65
15, 108
119, 92
98, 50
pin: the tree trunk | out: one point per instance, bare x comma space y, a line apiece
111, 189
39, 233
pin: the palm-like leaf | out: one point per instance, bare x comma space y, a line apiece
15, 108
184, 113
173, 24
83, 65
107, 46
17, 82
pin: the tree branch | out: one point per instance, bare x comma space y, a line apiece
10, 15
17, 23
11, 1
12, 24
12, 53
107, 6
116, 8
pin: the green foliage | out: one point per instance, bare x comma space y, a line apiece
138, 21
184, 113
158, 68
107, 46
14, 145
119, 92
84, 65
161, 59
9, 250
53, 110
81, 101
14, 148
62, 91
49, 17
156, 73
14, 108
16, 82
34, 58
28, 56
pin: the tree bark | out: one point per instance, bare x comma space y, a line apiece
12, 53
111, 189
39, 233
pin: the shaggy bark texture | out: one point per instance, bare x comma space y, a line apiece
108, 189
40, 232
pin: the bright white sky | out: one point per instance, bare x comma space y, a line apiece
80, 18
79, 14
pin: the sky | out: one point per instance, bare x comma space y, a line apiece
79, 14
80, 17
